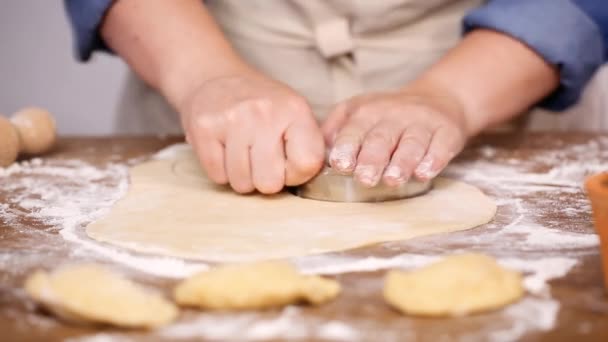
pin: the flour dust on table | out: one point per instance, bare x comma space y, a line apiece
65, 195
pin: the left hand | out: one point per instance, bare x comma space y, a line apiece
391, 136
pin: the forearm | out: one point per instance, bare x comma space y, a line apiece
493, 76
173, 45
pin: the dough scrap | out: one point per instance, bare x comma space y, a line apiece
254, 286
455, 286
90, 293
172, 209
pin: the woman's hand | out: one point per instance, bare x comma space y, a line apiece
393, 136
247, 130
487, 79
253, 132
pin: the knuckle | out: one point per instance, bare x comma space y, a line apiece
377, 138
217, 178
242, 187
256, 108
269, 187
213, 169
453, 136
233, 116
308, 166
341, 108
441, 156
205, 123
297, 105
414, 143
260, 106
348, 137
407, 160
363, 112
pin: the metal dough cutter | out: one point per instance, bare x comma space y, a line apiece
329, 185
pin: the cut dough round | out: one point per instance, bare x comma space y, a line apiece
93, 294
457, 285
172, 209
254, 286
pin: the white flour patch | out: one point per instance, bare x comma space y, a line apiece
539, 236
289, 324
65, 195
332, 265
69, 194
540, 271
531, 314
100, 338
171, 152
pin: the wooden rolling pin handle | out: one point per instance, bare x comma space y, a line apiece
30, 131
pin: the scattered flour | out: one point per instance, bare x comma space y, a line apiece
65, 195
250, 327
171, 152
531, 314
100, 338
540, 271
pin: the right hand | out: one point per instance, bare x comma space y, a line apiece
254, 133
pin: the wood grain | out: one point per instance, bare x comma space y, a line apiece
583, 302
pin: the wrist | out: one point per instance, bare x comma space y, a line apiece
448, 102
180, 79
493, 76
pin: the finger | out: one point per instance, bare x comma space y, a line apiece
445, 144
335, 120
268, 162
238, 166
304, 151
209, 150
376, 150
343, 155
210, 154
410, 150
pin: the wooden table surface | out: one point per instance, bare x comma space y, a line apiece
543, 225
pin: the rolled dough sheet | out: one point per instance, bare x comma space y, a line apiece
172, 209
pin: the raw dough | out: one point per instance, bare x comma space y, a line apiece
456, 285
93, 294
254, 286
173, 209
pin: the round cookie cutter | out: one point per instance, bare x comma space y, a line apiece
329, 185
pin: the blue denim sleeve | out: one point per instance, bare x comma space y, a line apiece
85, 17
560, 31
597, 10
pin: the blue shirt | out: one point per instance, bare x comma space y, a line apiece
570, 34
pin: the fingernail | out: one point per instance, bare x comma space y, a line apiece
342, 157
394, 173
367, 174
425, 169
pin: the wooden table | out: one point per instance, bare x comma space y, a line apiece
543, 225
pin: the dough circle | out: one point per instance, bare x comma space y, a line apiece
254, 286
455, 286
92, 294
172, 209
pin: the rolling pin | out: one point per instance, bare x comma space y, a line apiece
30, 131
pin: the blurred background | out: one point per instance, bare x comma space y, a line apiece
37, 67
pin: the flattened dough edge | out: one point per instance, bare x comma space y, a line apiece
172, 209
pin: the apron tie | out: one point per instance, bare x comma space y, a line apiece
335, 42
333, 37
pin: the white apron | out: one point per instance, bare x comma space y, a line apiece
330, 50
